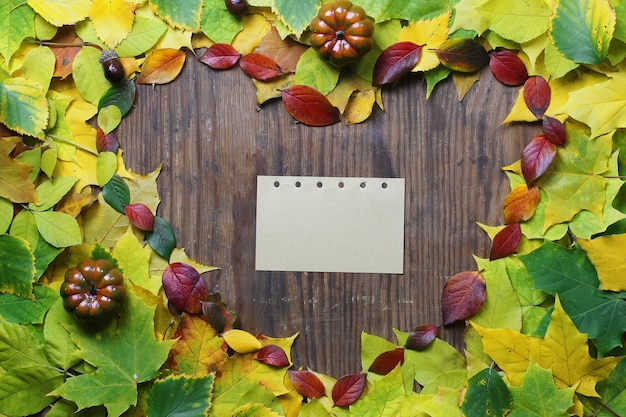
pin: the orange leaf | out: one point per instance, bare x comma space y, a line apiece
65, 54
285, 52
161, 66
520, 204
15, 184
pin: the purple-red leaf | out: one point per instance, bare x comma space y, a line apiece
307, 384
505, 242
537, 157
184, 287
220, 56
463, 296
421, 337
537, 95
386, 361
507, 67
106, 142
309, 106
348, 389
553, 130
462, 54
273, 355
395, 62
140, 216
260, 67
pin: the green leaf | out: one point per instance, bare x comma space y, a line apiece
49, 159
17, 266
314, 408
58, 229
538, 396
31, 157
569, 273
20, 346
612, 391
134, 260
24, 226
24, 391
143, 36
121, 95
181, 396
17, 22
296, 15
6, 214
23, 106
106, 166
161, 239
529, 298
582, 29
254, 410
519, 21
89, 75
230, 394
23, 310
51, 192
382, 10
315, 73
116, 193
384, 397
38, 66
125, 355
218, 23
183, 15
59, 347
487, 394
109, 118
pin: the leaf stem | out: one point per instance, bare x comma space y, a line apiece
71, 142
606, 407
64, 44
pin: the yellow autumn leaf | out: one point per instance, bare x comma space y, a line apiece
360, 106
348, 83
112, 19
608, 256
61, 12
464, 82
241, 341
563, 349
134, 260
430, 34
255, 27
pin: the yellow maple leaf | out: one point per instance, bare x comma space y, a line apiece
61, 12
430, 34
564, 350
608, 256
112, 19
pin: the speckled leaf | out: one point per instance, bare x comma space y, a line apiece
487, 395
296, 15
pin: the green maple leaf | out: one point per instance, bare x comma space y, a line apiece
612, 401
571, 274
539, 396
408, 10
123, 356
575, 182
384, 399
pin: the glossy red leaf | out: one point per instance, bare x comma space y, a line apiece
507, 67
307, 384
106, 142
463, 296
553, 130
505, 242
421, 337
220, 56
395, 62
462, 54
387, 361
348, 389
309, 106
184, 287
140, 216
273, 355
537, 157
537, 95
520, 204
260, 67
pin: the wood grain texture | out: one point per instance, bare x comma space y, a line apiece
206, 130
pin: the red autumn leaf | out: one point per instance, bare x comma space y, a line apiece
462, 54
395, 62
161, 66
309, 106
260, 67
348, 389
273, 355
537, 95
521, 203
507, 67
505, 242
140, 216
184, 287
537, 157
421, 337
220, 56
463, 296
106, 142
307, 384
386, 361
553, 130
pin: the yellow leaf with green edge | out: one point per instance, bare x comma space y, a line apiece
16, 24
430, 34
608, 256
15, 184
134, 261
23, 106
6, 214
574, 181
467, 16
316, 73
18, 266
61, 12
563, 349
518, 21
360, 106
89, 75
255, 27
112, 19
184, 15
38, 66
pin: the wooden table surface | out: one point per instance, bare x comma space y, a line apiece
213, 140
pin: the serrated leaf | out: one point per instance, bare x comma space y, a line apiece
309, 106
307, 383
161, 66
181, 395
553, 130
58, 229
259, 66
254, 410
430, 34
24, 390
464, 55
23, 106
61, 12
463, 295
184, 15
273, 355
112, 19
220, 56
120, 95
507, 67
241, 341
395, 62
609, 259
6, 214
16, 24
486, 395
20, 346
518, 21
506, 241
218, 23
18, 268
184, 287
161, 238
348, 389
612, 391
296, 15
537, 95
116, 193
313, 72
521, 203
24, 310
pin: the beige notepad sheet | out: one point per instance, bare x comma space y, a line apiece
330, 224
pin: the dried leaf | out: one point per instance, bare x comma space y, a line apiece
395, 62
553, 130
537, 95
273, 355
507, 67
387, 361
463, 296
220, 56
307, 384
241, 341
286, 52
506, 241
161, 66
260, 67
184, 287
462, 54
348, 389
537, 157
521, 203
309, 106
140, 216
421, 337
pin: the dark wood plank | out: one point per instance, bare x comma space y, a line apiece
213, 141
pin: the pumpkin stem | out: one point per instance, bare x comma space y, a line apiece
340, 34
